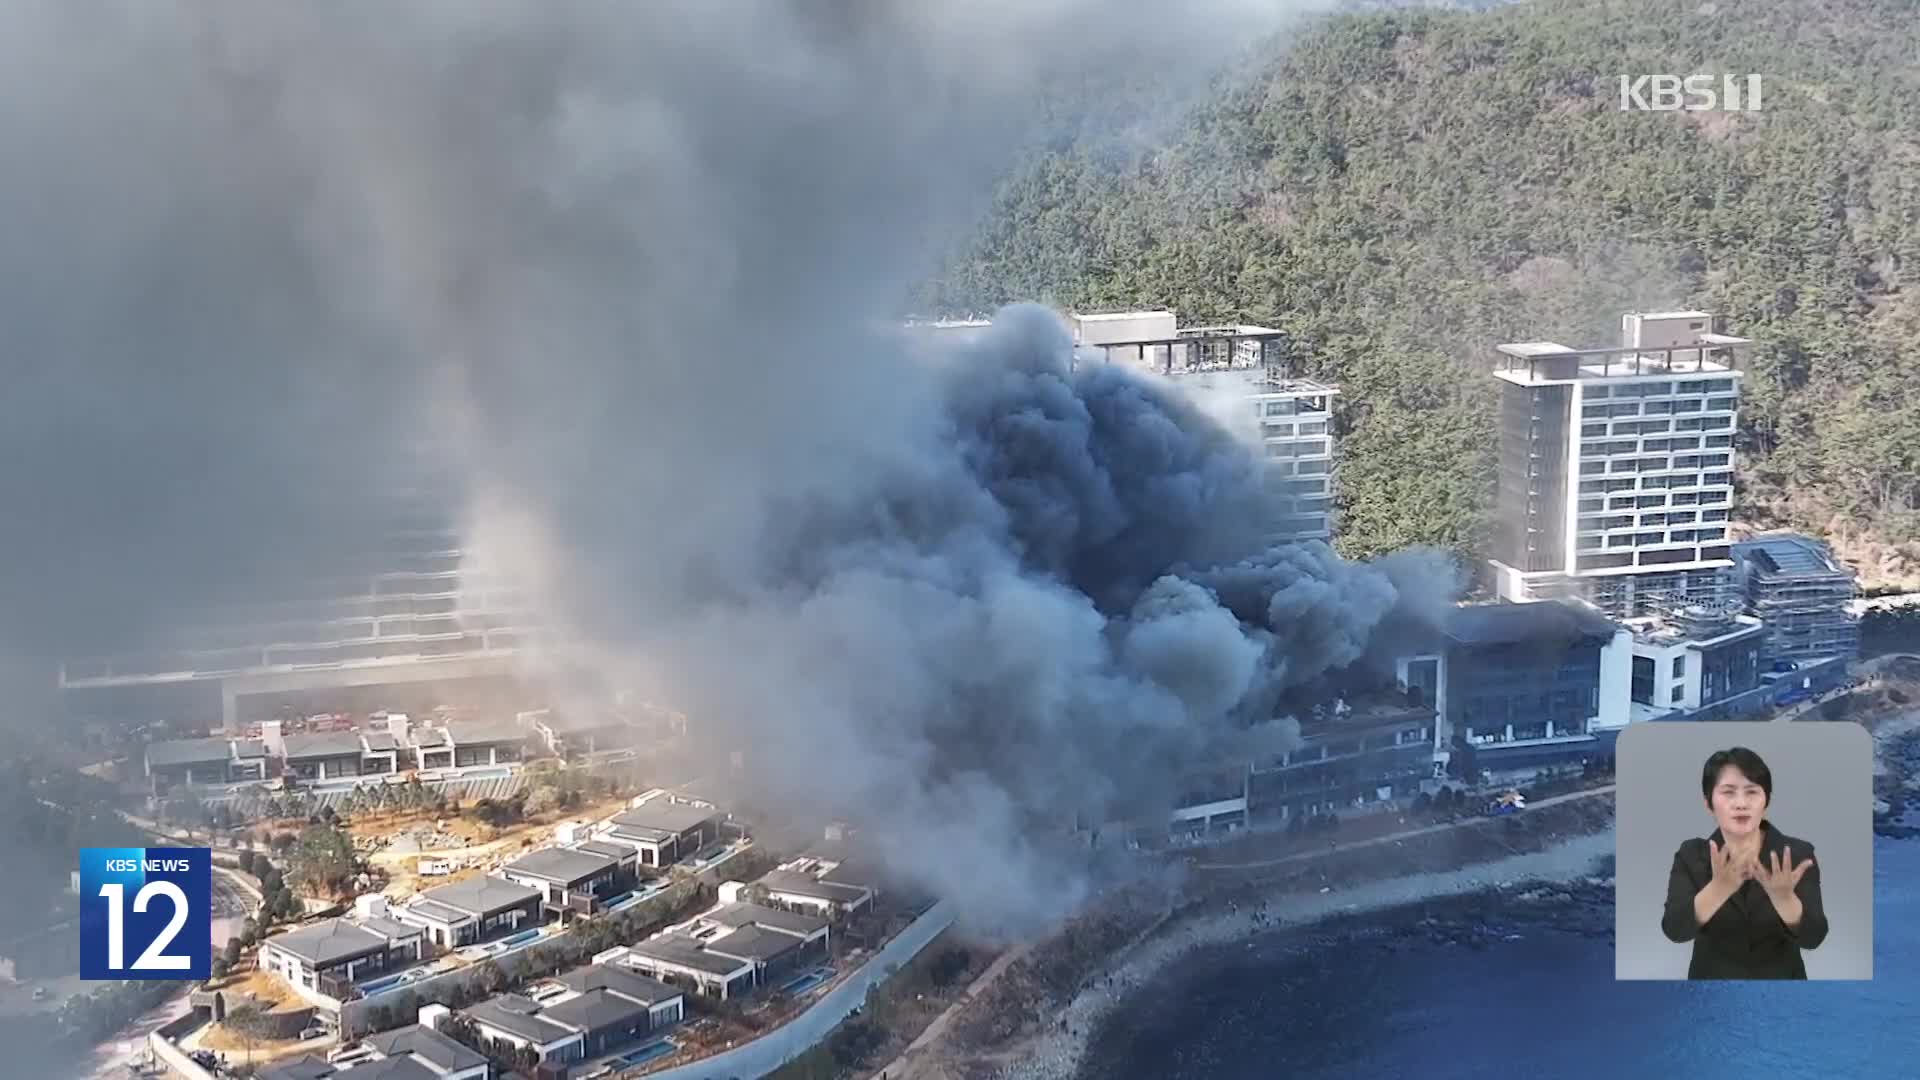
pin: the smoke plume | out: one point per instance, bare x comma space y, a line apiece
627, 265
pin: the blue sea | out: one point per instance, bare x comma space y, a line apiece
1546, 1006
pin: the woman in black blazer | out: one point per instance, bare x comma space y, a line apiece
1748, 896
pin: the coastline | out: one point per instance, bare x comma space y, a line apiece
1060, 1052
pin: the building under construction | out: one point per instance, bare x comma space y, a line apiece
1802, 593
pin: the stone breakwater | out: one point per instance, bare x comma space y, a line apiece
1567, 885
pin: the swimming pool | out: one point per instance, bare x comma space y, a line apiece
804, 983
645, 1054
378, 985
520, 938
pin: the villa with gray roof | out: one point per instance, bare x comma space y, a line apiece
571, 882
471, 911
204, 761
663, 831
798, 889
324, 960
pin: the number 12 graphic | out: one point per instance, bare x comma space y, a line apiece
167, 923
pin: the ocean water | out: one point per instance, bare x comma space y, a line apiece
1546, 1006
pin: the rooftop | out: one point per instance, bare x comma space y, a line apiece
472, 732
517, 1015
742, 914
564, 721
1790, 555
393, 1068
329, 942
389, 928
562, 865
667, 817
189, 752
479, 895
594, 1010
428, 1045
686, 952
325, 745
604, 849
621, 980
789, 881
304, 1067
1512, 624
754, 943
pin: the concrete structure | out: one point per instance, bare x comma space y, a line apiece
204, 761
1692, 658
805, 885
682, 961
1794, 585
471, 911
570, 881
1352, 752
1245, 377
662, 829
412, 609
1616, 466
323, 961
570, 733
1515, 686
413, 1052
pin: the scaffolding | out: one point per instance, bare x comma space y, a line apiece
1794, 585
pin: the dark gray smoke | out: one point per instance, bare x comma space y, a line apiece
628, 261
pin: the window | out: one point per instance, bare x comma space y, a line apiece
1719, 440
1678, 693
1315, 427
1679, 666
1651, 500
1597, 391
1276, 431
1589, 412
1720, 404
1719, 386
1588, 506
1687, 405
1589, 431
1592, 468
1312, 467
1281, 408
1681, 536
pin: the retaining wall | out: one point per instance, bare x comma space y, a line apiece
781, 1045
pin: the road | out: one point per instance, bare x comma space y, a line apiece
1551, 800
234, 898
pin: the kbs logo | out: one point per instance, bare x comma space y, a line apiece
1694, 93
146, 913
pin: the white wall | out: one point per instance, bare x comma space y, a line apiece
1616, 681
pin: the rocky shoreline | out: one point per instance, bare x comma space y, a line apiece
1568, 886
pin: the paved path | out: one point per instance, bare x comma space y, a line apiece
1589, 793
901, 1066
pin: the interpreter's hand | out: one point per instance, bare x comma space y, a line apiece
1777, 874
1730, 869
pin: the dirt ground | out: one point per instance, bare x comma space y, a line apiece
484, 845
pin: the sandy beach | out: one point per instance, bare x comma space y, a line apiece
1057, 1055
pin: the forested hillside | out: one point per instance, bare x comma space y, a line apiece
1403, 190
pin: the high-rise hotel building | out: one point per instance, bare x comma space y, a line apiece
1616, 467
1245, 376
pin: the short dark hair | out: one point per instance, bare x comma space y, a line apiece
1741, 758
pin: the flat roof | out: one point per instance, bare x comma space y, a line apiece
329, 942
754, 943
743, 914
480, 732
595, 1010
480, 896
380, 740
1537, 622
667, 816
791, 881
562, 865
304, 1067
686, 952
393, 1068
189, 752
604, 849
390, 928
249, 748
324, 745
621, 980
428, 1045
517, 1015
